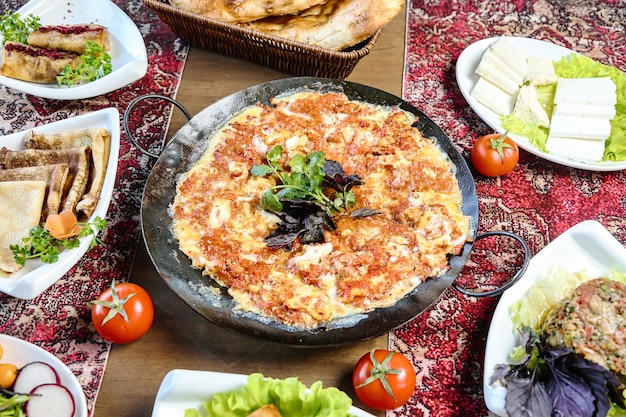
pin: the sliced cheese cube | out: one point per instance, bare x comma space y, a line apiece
498, 72
595, 91
493, 97
574, 148
540, 71
584, 111
528, 108
580, 128
505, 49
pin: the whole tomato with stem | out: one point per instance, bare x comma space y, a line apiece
122, 313
383, 379
495, 154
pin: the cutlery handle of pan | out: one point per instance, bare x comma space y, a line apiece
127, 117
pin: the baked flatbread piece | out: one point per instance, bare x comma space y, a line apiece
99, 140
20, 211
71, 38
334, 25
54, 175
233, 11
30, 63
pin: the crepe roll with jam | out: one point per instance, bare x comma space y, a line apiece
72, 38
31, 63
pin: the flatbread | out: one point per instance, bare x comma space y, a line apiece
71, 38
334, 25
20, 211
99, 140
30, 63
233, 11
77, 159
54, 175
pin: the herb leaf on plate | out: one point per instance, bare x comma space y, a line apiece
15, 29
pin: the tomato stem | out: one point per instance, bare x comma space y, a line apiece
115, 306
379, 371
499, 144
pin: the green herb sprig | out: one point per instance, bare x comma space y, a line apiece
41, 244
93, 64
16, 29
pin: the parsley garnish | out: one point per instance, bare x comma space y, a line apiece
93, 64
307, 196
40, 244
16, 29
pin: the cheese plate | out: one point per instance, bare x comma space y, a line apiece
35, 277
128, 51
586, 246
467, 78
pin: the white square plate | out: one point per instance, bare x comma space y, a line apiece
35, 277
128, 51
182, 389
586, 246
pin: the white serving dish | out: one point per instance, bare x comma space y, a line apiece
586, 246
19, 353
35, 277
182, 389
467, 78
128, 51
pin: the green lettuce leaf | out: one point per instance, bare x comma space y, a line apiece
578, 66
289, 395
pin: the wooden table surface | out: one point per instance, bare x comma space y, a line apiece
182, 339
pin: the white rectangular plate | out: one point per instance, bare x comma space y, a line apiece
586, 246
128, 51
182, 389
37, 276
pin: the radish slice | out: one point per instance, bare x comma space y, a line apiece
34, 374
50, 400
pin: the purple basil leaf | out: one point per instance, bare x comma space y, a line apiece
281, 241
525, 398
363, 212
571, 396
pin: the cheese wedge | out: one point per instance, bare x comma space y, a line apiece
528, 108
495, 70
493, 97
540, 71
584, 111
581, 128
515, 58
590, 91
574, 148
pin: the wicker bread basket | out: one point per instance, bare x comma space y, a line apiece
294, 58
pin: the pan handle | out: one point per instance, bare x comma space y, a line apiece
510, 282
126, 118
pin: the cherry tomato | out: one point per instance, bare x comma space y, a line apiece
8, 373
494, 155
383, 379
123, 313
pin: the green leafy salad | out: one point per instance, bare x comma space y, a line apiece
553, 379
289, 395
578, 66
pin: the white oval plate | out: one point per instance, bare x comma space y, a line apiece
586, 246
467, 78
19, 353
35, 277
182, 389
128, 51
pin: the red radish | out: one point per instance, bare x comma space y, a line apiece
50, 400
34, 374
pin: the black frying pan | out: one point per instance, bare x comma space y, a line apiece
189, 143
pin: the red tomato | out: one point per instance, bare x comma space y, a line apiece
494, 155
123, 313
383, 379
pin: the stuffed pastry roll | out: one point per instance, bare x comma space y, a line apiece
31, 63
71, 38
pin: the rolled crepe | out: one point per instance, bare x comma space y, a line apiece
99, 140
29, 63
71, 38
77, 159
20, 211
55, 177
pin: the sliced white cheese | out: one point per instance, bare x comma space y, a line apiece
493, 97
581, 128
594, 91
584, 111
574, 148
506, 49
528, 108
540, 71
498, 72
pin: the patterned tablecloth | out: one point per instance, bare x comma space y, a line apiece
539, 200
59, 319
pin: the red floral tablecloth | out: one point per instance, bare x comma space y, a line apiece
59, 319
539, 200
